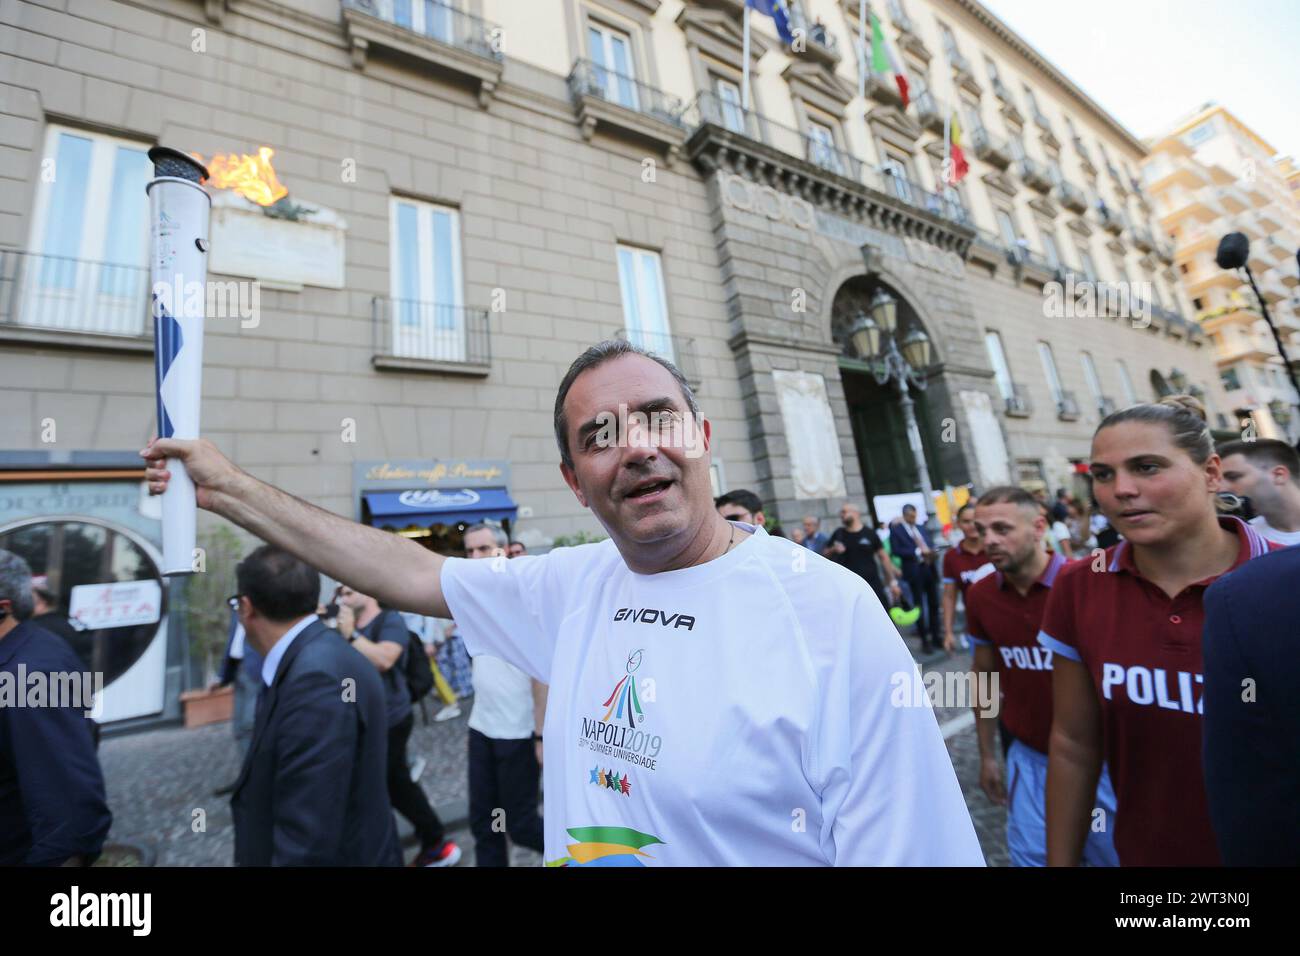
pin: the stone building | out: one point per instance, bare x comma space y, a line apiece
477, 190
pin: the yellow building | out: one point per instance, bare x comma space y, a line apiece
1211, 175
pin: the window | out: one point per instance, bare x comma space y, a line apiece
645, 308
1007, 227
729, 98
89, 244
1050, 252
1089, 267
993, 71
896, 169
421, 16
821, 146
1229, 377
611, 54
998, 359
1090, 375
425, 281
1017, 145
1130, 394
1199, 134
1049, 370
949, 43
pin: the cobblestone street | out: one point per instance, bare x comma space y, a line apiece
161, 783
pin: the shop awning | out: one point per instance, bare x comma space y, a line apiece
427, 506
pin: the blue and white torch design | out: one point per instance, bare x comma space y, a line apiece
178, 260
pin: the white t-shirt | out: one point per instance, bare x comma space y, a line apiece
694, 720
1269, 533
503, 700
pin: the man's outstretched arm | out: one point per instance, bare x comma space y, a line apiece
396, 571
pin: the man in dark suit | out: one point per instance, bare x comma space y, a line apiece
911, 544
313, 789
52, 806
1252, 712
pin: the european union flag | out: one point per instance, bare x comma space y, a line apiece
780, 14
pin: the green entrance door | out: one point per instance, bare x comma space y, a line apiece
880, 434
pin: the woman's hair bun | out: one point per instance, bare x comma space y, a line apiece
1188, 403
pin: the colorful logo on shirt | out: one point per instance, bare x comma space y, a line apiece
606, 846
624, 698
610, 780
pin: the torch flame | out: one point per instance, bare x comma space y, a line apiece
251, 176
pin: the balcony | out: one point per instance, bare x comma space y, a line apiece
624, 106
1018, 404
1002, 93
1165, 251
883, 89
1067, 407
1121, 184
989, 148
430, 337
1085, 157
435, 33
1071, 197
1034, 175
1112, 220
963, 76
1043, 123
1143, 239
675, 348
1270, 220
1271, 289
1105, 406
1232, 199
63, 301
927, 111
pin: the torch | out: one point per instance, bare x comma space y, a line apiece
178, 262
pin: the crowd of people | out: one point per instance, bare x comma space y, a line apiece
1146, 714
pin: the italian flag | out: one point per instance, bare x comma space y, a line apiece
882, 59
959, 166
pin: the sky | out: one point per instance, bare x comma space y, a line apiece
1150, 63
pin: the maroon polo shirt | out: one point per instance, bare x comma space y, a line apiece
1143, 650
999, 615
962, 568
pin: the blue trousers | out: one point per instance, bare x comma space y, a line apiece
1027, 812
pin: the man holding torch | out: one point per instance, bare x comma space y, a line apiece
680, 730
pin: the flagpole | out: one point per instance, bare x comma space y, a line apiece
745, 66
862, 48
946, 170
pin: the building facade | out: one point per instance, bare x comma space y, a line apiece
477, 191
1211, 175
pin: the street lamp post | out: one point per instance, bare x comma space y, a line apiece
873, 339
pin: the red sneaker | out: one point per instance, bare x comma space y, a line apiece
445, 853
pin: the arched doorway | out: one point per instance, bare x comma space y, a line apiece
875, 413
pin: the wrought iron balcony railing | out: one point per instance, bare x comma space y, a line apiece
588, 78
430, 332
438, 21
1067, 407
677, 349
927, 111
73, 295
1018, 404
990, 149
708, 108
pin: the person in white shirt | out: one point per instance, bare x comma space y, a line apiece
693, 718
1266, 471
505, 747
